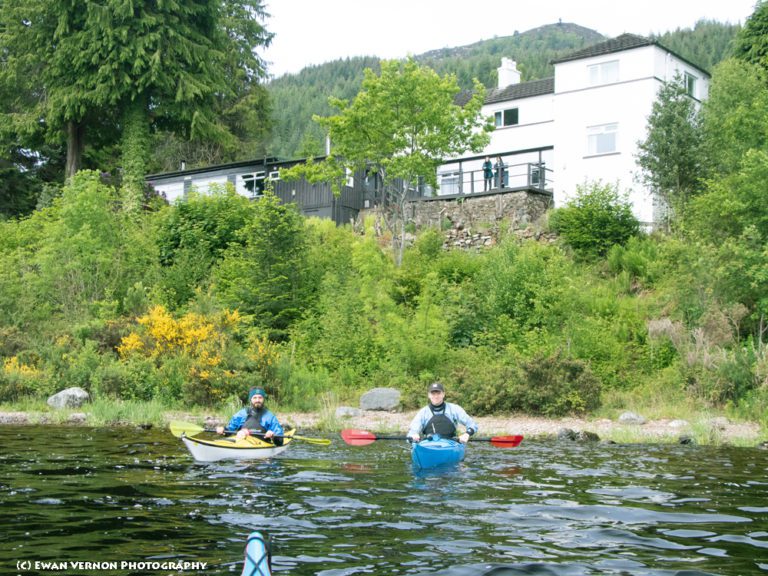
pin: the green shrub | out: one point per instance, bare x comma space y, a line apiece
639, 258
550, 385
194, 234
595, 220
481, 381
556, 386
132, 379
300, 387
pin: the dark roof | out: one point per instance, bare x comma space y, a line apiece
268, 163
511, 92
522, 90
463, 98
619, 44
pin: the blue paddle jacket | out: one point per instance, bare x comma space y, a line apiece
268, 421
453, 412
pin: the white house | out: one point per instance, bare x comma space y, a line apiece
551, 136
585, 122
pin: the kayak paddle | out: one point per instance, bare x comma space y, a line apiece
363, 438
187, 428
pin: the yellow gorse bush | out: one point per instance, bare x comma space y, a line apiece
13, 366
192, 334
130, 344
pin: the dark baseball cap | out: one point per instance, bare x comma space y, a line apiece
436, 387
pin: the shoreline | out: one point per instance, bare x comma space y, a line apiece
708, 430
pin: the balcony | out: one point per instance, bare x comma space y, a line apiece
523, 171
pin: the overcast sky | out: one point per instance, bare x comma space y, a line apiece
316, 31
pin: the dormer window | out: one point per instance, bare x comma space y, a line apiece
603, 73
508, 117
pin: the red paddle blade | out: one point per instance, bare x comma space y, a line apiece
358, 437
507, 441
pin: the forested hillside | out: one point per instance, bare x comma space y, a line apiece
296, 97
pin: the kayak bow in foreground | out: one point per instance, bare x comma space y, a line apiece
257, 556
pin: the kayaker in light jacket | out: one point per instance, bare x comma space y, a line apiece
256, 418
440, 417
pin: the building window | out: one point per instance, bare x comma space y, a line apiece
603, 73
690, 85
601, 139
350, 177
450, 183
507, 117
251, 185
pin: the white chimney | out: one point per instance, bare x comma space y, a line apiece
508, 73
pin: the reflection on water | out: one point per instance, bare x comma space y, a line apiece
79, 495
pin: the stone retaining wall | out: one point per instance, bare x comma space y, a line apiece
517, 209
474, 222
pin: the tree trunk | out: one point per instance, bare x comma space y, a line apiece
134, 147
75, 143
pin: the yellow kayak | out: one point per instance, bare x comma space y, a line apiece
230, 448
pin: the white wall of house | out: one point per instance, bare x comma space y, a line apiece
534, 130
172, 190
600, 117
601, 109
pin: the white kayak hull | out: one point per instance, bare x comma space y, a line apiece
249, 448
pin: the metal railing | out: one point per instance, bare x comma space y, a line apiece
523, 176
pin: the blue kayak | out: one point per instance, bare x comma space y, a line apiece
436, 451
257, 556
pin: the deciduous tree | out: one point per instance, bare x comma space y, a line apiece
399, 128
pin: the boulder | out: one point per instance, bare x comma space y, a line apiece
584, 436
70, 398
348, 412
566, 434
631, 418
386, 399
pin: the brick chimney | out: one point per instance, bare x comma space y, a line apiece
508, 73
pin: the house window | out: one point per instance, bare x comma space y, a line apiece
507, 117
449, 183
350, 177
274, 175
603, 73
251, 185
602, 139
690, 84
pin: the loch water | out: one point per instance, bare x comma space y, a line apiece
78, 495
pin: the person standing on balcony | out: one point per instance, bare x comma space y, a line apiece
499, 172
487, 174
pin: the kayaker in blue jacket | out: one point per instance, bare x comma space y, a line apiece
255, 419
440, 417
